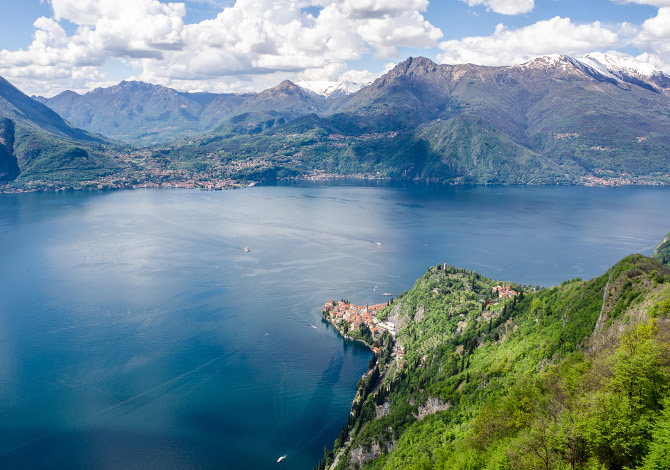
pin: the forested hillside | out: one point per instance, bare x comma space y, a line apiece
572, 377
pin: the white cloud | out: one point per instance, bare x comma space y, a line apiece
357, 76
513, 46
247, 43
106, 29
654, 3
653, 40
505, 7
264, 35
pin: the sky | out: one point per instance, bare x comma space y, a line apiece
48, 46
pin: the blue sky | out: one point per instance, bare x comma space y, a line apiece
47, 46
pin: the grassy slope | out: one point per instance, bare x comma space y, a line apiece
576, 374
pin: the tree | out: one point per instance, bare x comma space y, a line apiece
659, 450
624, 412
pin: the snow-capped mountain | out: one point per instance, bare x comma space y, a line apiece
618, 67
331, 89
548, 61
603, 67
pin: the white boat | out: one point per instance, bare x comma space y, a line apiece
387, 293
247, 249
279, 460
379, 243
314, 326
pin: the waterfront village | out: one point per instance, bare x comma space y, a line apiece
355, 316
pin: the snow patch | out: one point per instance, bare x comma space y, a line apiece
327, 89
616, 67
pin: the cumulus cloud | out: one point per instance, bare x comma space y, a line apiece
654, 39
505, 7
513, 46
106, 29
263, 36
251, 41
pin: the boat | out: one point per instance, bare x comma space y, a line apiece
379, 243
387, 293
314, 326
280, 459
247, 249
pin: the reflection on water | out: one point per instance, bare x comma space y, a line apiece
136, 331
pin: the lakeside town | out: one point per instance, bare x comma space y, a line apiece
347, 317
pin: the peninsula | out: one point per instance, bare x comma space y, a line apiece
512, 377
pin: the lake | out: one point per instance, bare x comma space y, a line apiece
137, 332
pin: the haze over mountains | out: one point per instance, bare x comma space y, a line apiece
145, 114
554, 119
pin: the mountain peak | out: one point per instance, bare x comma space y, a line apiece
550, 61
286, 85
412, 65
616, 66
330, 88
129, 86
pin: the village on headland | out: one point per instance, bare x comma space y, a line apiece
361, 322
347, 317
365, 324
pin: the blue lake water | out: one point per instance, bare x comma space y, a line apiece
136, 332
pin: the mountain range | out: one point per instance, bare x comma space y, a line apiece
555, 119
142, 113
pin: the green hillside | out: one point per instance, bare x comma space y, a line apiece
39, 150
572, 377
662, 250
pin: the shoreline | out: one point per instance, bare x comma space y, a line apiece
386, 353
118, 183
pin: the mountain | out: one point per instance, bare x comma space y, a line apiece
36, 144
627, 70
27, 112
482, 374
143, 113
9, 165
286, 99
272, 107
146, 114
330, 89
552, 116
554, 119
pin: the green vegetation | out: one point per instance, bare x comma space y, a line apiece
662, 250
576, 376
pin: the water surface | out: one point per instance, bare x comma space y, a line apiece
136, 332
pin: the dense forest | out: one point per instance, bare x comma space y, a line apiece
575, 376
